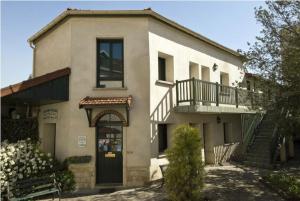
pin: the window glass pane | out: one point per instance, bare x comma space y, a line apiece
117, 60
110, 117
161, 68
105, 58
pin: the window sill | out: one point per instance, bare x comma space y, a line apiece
165, 83
111, 88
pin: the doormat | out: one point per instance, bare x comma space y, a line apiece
106, 190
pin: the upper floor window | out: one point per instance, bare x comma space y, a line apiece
194, 70
110, 69
165, 67
162, 69
224, 79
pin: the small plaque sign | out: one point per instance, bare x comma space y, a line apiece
50, 114
110, 155
81, 141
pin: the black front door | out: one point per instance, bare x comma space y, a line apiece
109, 153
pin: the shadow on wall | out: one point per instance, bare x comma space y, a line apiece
160, 114
226, 152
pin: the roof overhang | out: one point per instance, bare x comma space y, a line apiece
128, 13
46, 89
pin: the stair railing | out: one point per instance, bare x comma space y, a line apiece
249, 134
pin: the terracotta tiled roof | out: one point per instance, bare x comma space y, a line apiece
34, 82
99, 101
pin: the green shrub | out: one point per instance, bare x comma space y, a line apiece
66, 180
78, 159
24, 159
185, 172
14, 130
288, 184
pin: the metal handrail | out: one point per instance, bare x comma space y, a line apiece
251, 131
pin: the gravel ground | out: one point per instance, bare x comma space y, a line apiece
223, 183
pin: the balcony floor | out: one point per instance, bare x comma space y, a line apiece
212, 109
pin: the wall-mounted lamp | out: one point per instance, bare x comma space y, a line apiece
215, 67
218, 119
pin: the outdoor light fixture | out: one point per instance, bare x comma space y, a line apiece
215, 67
218, 119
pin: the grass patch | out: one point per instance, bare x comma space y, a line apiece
288, 185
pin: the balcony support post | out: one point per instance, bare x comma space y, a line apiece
177, 98
217, 94
236, 98
194, 90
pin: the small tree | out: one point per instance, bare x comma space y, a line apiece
184, 175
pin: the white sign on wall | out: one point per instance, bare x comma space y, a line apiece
50, 114
81, 141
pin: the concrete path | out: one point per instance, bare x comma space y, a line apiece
224, 183
232, 183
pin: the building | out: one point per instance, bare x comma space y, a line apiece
114, 84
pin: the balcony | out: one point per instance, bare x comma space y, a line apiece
193, 95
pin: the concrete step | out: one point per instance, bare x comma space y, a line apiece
256, 164
265, 129
267, 137
262, 158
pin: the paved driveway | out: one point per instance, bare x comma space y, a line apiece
224, 183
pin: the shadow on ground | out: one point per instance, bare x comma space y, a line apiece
231, 183
223, 183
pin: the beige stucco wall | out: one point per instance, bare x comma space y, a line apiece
184, 50
53, 50
80, 49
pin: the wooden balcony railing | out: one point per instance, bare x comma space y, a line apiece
194, 91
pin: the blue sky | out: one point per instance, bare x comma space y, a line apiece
230, 23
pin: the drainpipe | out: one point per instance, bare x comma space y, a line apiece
33, 59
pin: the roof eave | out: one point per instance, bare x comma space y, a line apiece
145, 12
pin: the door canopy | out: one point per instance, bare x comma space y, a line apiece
89, 103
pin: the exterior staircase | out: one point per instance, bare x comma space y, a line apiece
259, 151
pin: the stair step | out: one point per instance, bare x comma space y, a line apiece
261, 165
258, 158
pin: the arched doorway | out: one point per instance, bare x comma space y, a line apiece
109, 146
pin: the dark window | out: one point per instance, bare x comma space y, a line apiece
226, 133
248, 85
110, 63
162, 69
162, 137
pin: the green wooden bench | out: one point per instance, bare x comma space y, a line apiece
28, 189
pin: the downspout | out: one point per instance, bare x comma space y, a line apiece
29, 107
33, 59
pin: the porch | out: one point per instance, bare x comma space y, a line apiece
194, 95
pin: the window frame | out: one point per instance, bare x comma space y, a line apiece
110, 41
164, 146
159, 68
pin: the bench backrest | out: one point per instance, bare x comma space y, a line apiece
31, 185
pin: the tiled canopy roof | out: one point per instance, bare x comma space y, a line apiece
103, 101
21, 86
